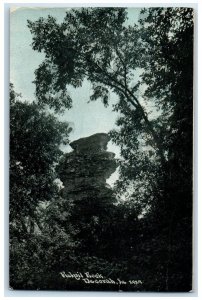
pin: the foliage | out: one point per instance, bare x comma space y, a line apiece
168, 76
150, 233
106, 52
35, 137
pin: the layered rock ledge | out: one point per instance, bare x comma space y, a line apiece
84, 171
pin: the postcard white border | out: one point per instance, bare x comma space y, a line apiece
4, 125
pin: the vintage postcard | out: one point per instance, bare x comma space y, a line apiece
101, 122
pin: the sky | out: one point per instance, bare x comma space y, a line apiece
85, 117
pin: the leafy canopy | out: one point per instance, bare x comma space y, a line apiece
35, 137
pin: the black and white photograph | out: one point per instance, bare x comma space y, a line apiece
101, 149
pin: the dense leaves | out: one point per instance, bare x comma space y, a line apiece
149, 67
35, 137
164, 188
34, 142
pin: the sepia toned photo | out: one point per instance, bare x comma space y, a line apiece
101, 149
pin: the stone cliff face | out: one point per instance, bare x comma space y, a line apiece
84, 171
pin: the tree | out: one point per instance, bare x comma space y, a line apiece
101, 48
169, 79
35, 137
36, 232
155, 124
94, 44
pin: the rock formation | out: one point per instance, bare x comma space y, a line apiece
85, 170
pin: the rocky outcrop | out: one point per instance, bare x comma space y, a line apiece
84, 171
